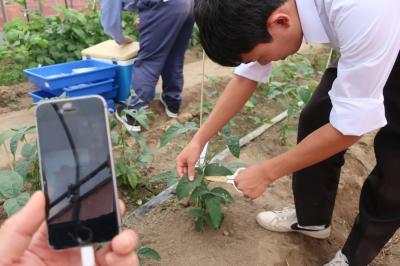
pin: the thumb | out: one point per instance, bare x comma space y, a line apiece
17, 231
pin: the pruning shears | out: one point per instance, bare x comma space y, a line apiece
230, 179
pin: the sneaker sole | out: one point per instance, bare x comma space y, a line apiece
126, 125
320, 234
167, 112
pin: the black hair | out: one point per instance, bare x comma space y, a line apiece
229, 28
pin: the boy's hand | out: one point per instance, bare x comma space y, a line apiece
186, 160
253, 181
127, 40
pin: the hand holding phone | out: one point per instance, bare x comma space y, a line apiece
77, 172
23, 241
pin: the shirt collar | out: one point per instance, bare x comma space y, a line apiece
313, 30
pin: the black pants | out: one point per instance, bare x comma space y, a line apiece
315, 187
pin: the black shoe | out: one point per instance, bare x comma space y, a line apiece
171, 107
130, 123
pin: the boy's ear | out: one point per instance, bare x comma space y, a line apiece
277, 20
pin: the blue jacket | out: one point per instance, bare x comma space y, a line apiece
111, 11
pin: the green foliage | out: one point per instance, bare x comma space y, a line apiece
207, 203
231, 140
292, 85
195, 39
51, 39
175, 130
11, 185
148, 253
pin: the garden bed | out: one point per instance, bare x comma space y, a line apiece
240, 241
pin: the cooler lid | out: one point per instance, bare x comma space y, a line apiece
112, 50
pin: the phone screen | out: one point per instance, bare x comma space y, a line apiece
77, 172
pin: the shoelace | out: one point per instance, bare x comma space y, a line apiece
285, 213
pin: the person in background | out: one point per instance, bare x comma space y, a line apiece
24, 241
359, 95
165, 29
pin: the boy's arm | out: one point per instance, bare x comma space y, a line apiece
110, 16
316, 147
235, 95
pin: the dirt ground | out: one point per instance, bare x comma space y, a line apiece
240, 241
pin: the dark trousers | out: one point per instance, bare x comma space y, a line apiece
165, 32
315, 187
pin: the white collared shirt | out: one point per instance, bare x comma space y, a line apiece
367, 32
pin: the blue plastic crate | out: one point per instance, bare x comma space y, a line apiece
123, 77
39, 95
72, 73
90, 88
110, 94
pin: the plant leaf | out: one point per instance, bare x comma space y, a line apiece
10, 184
21, 167
199, 224
114, 137
175, 130
196, 213
195, 197
11, 206
214, 210
231, 140
185, 186
132, 177
28, 150
233, 166
216, 169
5, 136
224, 193
149, 253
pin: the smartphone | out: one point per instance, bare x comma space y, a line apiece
77, 171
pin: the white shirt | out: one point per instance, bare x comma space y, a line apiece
367, 32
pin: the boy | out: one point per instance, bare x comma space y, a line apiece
360, 95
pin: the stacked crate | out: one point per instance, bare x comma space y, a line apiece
77, 78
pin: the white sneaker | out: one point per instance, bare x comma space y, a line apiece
339, 260
286, 221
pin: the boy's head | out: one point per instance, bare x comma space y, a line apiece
235, 31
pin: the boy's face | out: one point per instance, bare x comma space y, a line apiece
265, 53
285, 29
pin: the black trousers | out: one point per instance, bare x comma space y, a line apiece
315, 187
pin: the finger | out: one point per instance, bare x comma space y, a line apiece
121, 207
180, 167
16, 232
113, 259
125, 242
101, 254
122, 245
191, 170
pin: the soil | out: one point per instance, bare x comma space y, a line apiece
240, 241
15, 97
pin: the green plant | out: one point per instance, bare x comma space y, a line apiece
11, 195
231, 140
25, 170
130, 162
148, 253
292, 85
208, 202
52, 39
